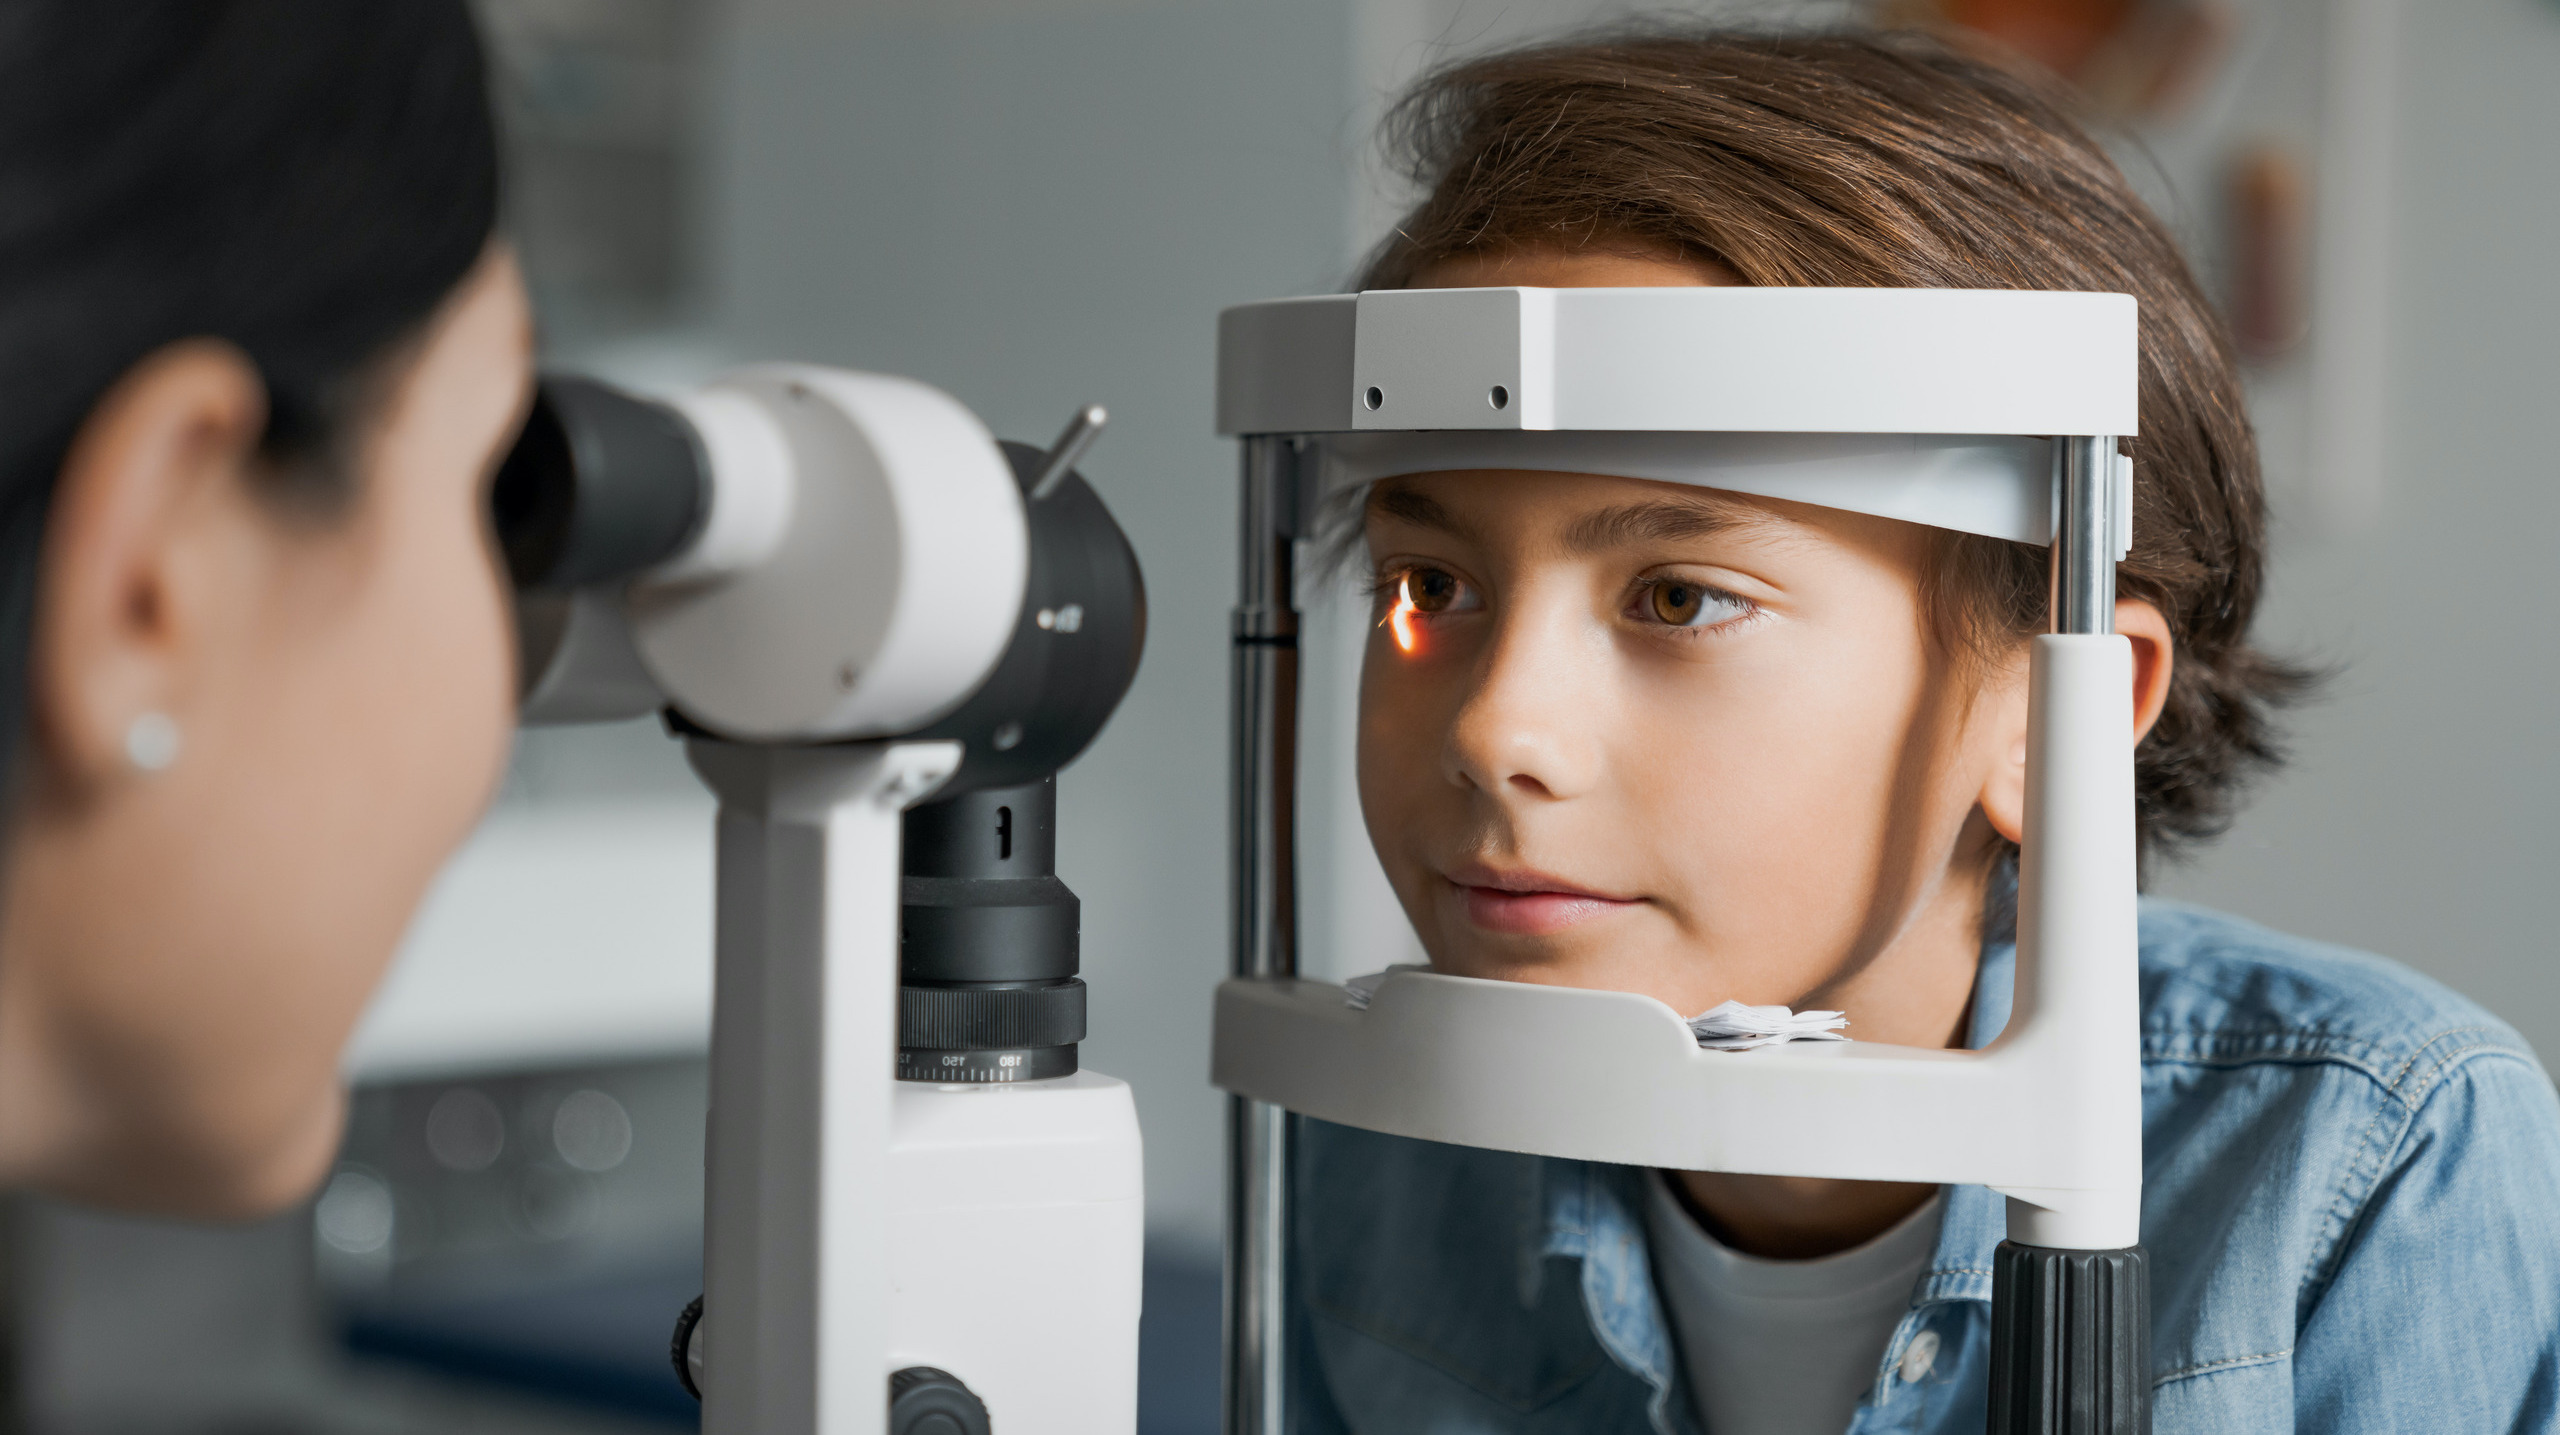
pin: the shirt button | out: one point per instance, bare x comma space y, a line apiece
1920, 1356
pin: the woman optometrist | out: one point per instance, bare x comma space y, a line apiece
258, 357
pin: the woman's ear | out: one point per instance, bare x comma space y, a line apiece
125, 576
2004, 711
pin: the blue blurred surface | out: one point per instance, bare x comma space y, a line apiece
601, 1340
1178, 1346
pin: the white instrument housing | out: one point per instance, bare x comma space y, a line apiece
886, 595
1017, 1235
858, 574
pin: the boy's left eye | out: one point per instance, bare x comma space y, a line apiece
1684, 603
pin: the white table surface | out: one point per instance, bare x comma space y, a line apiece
560, 935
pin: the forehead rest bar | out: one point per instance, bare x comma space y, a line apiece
1737, 360
1996, 484
1927, 405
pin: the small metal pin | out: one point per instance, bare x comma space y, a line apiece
1079, 435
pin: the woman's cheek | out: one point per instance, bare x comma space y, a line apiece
475, 689
448, 712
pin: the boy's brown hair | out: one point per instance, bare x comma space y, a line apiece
1897, 160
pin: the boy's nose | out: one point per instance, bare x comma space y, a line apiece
1527, 729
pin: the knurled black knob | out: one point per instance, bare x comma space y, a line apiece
926, 1401
2070, 1341
680, 1350
991, 1018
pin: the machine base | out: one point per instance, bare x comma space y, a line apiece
1016, 1248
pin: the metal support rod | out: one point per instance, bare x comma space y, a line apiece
2084, 571
1265, 693
1260, 1137
1262, 1149
2070, 1327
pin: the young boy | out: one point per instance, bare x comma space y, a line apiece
1705, 746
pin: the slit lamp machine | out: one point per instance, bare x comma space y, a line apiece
880, 633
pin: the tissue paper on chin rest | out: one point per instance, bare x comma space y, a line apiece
1735, 1027
1729, 1027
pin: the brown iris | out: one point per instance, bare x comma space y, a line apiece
1430, 590
1678, 603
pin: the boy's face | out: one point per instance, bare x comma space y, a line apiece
1660, 739
1654, 738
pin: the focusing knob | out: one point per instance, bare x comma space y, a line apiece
926, 1401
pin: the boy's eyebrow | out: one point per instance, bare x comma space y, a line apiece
1661, 521
1392, 500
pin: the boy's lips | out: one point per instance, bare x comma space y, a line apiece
1524, 903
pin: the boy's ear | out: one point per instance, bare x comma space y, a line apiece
2004, 794
2155, 656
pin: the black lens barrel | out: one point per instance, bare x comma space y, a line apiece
987, 941
981, 890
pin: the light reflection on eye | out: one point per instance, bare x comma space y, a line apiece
1422, 593
1400, 618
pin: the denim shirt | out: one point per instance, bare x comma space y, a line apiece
2351, 1196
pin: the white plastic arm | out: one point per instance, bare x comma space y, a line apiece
796, 1309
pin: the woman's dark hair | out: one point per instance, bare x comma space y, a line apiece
306, 179
1863, 159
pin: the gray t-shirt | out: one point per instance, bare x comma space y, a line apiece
1782, 1347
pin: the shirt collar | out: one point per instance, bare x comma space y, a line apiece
1995, 973
1977, 1217
1994, 982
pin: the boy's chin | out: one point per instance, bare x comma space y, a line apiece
1602, 954
1593, 974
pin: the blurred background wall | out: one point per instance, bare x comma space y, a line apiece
1041, 203
2421, 815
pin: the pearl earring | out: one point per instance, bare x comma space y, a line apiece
151, 744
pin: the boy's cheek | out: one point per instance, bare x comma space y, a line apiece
1396, 777
1405, 800
1405, 708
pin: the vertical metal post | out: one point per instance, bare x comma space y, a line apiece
1260, 1137
2084, 569
2071, 1325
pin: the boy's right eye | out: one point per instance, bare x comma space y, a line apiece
1409, 597
1422, 589
1430, 590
